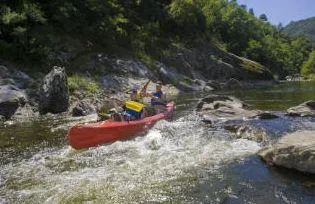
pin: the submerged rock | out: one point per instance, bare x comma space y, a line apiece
305, 109
294, 151
54, 92
247, 132
266, 116
216, 107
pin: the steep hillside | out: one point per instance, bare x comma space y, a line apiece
40, 34
302, 28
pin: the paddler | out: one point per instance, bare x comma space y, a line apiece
135, 107
158, 99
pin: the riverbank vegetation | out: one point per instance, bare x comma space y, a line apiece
40, 33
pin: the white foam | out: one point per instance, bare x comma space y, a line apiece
132, 170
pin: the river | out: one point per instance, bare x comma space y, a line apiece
180, 161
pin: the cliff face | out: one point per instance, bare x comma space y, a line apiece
211, 63
204, 62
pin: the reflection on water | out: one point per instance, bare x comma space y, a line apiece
178, 161
279, 97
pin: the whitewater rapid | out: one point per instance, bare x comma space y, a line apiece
163, 165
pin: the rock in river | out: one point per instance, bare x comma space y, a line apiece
305, 109
54, 92
293, 151
217, 107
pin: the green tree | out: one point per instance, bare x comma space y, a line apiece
263, 17
308, 67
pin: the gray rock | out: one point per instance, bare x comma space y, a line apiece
11, 98
169, 75
216, 107
305, 109
21, 79
83, 108
54, 92
3, 72
294, 151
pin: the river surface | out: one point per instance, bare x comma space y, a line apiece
180, 161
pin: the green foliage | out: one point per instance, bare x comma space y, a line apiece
308, 68
36, 31
302, 28
79, 83
263, 17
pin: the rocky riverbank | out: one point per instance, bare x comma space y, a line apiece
205, 68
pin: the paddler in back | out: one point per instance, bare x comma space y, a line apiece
158, 99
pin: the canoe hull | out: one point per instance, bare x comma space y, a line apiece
94, 134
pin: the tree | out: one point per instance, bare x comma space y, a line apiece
263, 17
308, 67
251, 11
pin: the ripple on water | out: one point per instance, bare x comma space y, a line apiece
163, 165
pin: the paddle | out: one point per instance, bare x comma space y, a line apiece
144, 89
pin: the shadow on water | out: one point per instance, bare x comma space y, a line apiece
251, 181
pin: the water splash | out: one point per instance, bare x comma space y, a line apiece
162, 166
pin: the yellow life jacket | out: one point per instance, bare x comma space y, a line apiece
135, 106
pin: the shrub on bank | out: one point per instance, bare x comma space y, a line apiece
80, 83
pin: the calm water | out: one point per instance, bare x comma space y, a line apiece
181, 161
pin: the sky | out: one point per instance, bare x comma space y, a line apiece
282, 11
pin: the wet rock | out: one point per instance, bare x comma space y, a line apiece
11, 98
54, 92
216, 107
83, 108
305, 109
294, 151
247, 132
266, 116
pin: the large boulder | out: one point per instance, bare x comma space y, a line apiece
219, 107
11, 98
294, 151
305, 109
54, 92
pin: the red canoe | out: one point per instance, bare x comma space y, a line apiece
93, 134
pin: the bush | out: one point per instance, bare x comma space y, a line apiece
79, 83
